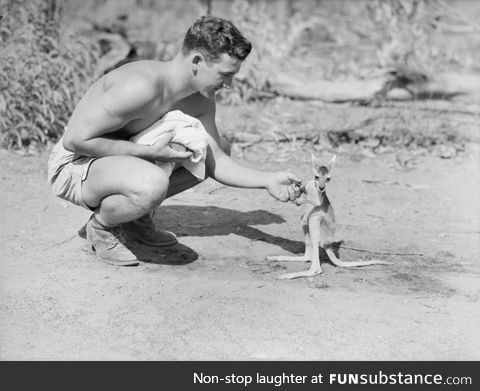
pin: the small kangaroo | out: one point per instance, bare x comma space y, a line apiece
318, 224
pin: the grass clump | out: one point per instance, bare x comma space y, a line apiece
43, 73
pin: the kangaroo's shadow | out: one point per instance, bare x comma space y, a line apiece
207, 221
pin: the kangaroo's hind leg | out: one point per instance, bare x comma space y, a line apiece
315, 268
295, 258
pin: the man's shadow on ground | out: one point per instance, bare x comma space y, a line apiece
205, 221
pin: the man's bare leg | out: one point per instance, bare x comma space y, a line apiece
121, 189
181, 180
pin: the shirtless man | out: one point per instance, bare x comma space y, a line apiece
94, 164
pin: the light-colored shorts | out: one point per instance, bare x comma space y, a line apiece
66, 173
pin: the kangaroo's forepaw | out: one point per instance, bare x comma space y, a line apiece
308, 273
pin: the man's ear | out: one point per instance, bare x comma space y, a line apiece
198, 57
331, 163
196, 60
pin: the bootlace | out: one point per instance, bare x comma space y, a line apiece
115, 236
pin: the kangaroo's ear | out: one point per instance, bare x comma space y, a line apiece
315, 164
331, 163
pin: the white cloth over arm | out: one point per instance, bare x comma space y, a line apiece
190, 135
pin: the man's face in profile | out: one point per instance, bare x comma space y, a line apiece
214, 75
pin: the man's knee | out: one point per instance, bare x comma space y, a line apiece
225, 145
149, 189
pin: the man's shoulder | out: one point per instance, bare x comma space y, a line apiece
136, 78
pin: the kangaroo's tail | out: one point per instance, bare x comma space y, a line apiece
338, 262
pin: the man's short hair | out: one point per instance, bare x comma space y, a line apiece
214, 36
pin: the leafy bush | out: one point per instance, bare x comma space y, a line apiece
42, 73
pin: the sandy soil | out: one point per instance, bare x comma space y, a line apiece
215, 297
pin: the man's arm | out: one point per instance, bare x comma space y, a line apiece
96, 117
224, 169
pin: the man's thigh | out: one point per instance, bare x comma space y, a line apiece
181, 180
120, 175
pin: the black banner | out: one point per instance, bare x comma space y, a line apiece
232, 375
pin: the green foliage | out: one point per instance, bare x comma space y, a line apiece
42, 74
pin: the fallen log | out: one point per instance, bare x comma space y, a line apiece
326, 90
447, 85
441, 86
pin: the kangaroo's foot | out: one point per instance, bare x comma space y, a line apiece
307, 273
288, 258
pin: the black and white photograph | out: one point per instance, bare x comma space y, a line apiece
240, 180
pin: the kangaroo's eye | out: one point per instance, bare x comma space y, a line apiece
328, 179
317, 177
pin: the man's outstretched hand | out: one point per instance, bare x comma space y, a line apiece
283, 186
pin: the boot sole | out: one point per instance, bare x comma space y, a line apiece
135, 262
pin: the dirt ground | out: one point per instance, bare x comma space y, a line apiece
215, 297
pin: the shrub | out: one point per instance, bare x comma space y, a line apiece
42, 73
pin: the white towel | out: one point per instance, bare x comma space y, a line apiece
189, 135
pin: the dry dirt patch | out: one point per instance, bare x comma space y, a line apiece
213, 296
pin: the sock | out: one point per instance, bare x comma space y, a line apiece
99, 222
